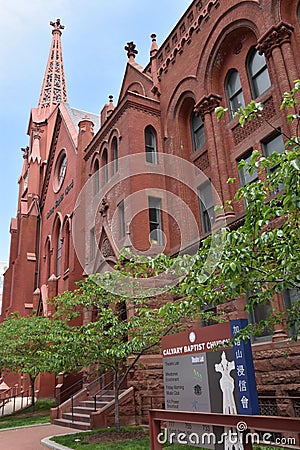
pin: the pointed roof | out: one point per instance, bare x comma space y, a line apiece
54, 88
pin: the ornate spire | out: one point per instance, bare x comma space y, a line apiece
54, 86
131, 51
154, 46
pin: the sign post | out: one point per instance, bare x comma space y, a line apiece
204, 373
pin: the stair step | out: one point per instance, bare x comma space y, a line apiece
83, 409
69, 423
91, 404
79, 417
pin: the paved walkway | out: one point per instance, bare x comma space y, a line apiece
29, 438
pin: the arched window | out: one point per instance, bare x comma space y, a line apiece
59, 242
67, 237
258, 73
48, 258
234, 92
150, 145
115, 155
105, 165
96, 176
197, 130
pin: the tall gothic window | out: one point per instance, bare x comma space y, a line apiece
67, 246
197, 129
58, 250
258, 73
121, 210
150, 145
115, 154
234, 92
96, 177
105, 165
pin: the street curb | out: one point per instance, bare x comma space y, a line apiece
46, 442
25, 426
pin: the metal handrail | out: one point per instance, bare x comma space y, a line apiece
101, 392
8, 398
99, 381
70, 388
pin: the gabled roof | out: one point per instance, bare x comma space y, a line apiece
134, 68
76, 115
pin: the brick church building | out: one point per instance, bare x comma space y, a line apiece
92, 184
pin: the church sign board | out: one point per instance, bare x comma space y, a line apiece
199, 376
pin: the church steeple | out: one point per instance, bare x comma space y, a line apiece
54, 86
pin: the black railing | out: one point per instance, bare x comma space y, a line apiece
13, 400
105, 389
66, 393
100, 381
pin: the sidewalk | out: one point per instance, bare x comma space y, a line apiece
29, 438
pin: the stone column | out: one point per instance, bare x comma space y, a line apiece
275, 44
216, 153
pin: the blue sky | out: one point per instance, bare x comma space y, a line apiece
93, 41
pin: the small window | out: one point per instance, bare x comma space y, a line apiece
274, 144
260, 312
121, 210
155, 221
291, 297
234, 92
258, 73
245, 176
115, 154
207, 208
197, 129
150, 145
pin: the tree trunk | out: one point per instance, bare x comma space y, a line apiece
117, 410
32, 380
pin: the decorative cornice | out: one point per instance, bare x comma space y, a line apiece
197, 15
127, 103
274, 37
207, 104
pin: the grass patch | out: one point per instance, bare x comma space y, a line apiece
27, 417
131, 438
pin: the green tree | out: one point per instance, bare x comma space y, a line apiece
261, 257
31, 345
123, 328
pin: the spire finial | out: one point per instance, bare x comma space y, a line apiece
131, 51
154, 46
54, 88
57, 26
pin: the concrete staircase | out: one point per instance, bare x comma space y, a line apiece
80, 418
